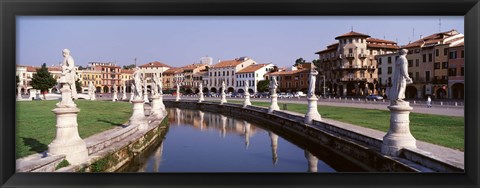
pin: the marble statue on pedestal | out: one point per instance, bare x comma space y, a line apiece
67, 140
273, 96
124, 89
69, 73
223, 94
91, 90
399, 136
137, 83
132, 91
247, 95
154, 89
312, 111
145, 90
115, 93
178, 92
19, 87
200, 92
400, 78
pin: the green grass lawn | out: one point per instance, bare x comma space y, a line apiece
35, 127
436, 129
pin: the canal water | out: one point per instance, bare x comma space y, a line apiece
199, 141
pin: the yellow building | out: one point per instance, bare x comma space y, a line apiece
86, 76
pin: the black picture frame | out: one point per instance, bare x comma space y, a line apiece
470, 9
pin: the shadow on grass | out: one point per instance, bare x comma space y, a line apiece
112, 123
35, 145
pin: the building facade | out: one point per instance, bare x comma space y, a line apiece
251, 74
349, 66
294, 79
225, 71
456, 71
110, 75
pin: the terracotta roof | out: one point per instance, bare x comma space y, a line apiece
173, 70
327, 50
192, 66
333, 45
127, 71
382, 46
352, 34
454, 40
252, 68
155, 64
32, 68
380, 40
54, 68
289, 72
413, 45
227, 63
459, 44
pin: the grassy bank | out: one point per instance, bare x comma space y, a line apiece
436, 129
35, 127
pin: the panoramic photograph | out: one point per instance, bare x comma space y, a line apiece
202, 94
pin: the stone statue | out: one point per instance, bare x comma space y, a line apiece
154, 85
68, 72
137, 83
313, 77
246, 87
400, 78
274, 85
223, 86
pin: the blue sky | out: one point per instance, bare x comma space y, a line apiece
178, 41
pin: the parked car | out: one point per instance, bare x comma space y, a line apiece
376, 97
300, 94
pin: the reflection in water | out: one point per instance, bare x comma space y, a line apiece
312, 162
274, 140
192, 144
247, 134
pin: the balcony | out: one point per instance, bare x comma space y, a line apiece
350, 55
439, 81
352, 79
340, 56
362, 56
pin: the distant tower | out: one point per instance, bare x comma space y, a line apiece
206, 60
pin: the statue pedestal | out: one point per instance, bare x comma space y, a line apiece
138, 116
177, 98
145, 97
274, 105
200, 97
224, 98
158, 108
19, 93
114, 97
312, 112
398, 135
131, 97
124, 96
67, 140
247, 100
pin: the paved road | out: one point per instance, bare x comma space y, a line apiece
448, 110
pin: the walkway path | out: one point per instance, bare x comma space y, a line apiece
457, 111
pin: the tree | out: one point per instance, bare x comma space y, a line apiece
131, 66
262, 85
78, 85
43, 80
298, 61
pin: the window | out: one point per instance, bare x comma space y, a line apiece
437, 52
380, 81
350, 50
389, 60
417, 62
427, 76
410, 63
424, 58
436, 65
462, 71
379, 61
452, 72
463, 54
453, 55
430, 57
389, 70
350, 41
379, 70
445, 51
396, 57
417, 75
445, 65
